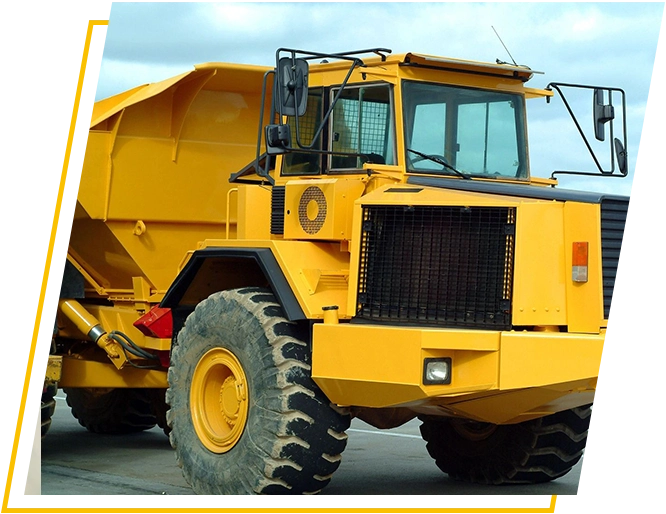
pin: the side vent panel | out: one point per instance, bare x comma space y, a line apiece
613, 219
277, 210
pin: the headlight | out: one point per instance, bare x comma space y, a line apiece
437, 371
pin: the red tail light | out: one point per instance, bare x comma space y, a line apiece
157, 322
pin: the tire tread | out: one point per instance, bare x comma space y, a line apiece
290, 458
535, 451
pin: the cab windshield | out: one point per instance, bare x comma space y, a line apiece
464, 132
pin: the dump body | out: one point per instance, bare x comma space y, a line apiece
155, 179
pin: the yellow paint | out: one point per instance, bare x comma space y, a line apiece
227, 218
435, 196
313, 276
78, 315
378, 366
391, 70
585, 304
354, 245
219, 400
91, 329
290, 510
531, 92
142, 294
496, 376
155, 255
516, 405
132, 169
539, 295
535, 359
155, 343
120, 318
314, 288
254, 212
155, 188
331, 315
393, 172
91, 280
54, 368
81, 372
320, 209
539, 181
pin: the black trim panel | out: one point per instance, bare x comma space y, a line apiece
278, 194
263, 257
520, 190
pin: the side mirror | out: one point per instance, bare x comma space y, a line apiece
621, 154
602, 114
278, 139
291, 87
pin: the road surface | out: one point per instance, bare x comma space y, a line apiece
75, 461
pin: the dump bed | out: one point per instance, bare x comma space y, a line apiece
155, 179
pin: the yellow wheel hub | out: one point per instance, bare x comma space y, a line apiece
219, 400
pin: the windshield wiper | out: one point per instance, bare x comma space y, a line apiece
439, 160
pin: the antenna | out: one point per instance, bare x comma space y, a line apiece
505, 48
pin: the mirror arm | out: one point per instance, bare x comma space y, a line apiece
555, 86
585, 174
613, 141
262, 172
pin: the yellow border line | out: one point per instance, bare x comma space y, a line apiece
43, 290
240, 508
48, 260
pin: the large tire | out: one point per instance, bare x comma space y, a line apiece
160, 409
112, 411
245, 415
534, 451
48, 406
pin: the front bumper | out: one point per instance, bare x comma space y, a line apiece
498, 377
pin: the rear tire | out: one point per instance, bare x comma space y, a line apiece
246, 416
112, 411
48, 406
160, 409
534, 451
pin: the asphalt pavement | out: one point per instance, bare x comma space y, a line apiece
386, 462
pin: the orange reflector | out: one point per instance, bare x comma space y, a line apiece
579, 262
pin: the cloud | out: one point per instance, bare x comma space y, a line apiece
611, 44
116, 76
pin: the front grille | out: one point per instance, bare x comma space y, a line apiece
613, 218
445, 266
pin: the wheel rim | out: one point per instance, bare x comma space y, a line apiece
219, 400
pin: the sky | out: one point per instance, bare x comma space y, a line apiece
605, 44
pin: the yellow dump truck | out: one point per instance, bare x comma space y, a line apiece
259, 254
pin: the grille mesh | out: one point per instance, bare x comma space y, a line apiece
613, 218
312, 194
447, 266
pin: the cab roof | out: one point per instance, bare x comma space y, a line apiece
522, 73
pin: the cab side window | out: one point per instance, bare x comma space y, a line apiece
362, 123
306, 163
